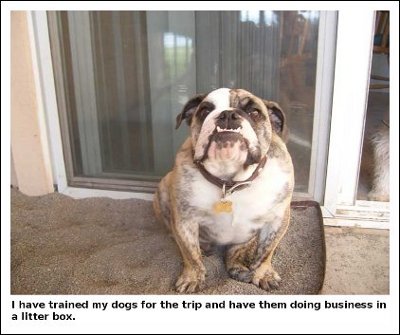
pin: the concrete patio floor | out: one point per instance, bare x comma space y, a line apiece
357, 261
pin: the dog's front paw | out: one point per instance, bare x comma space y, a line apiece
267, 280
190, 281
241, 273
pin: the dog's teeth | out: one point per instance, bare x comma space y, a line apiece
219, 130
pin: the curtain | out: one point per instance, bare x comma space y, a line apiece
126, 75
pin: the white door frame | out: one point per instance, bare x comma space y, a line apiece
351, 85
353, 61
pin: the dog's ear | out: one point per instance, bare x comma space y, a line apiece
189, 109
277, 118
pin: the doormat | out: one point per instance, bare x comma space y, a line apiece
61, 245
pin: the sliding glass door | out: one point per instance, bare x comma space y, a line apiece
122, 77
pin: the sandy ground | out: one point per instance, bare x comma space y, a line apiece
357, 261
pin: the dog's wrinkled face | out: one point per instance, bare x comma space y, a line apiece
232, 126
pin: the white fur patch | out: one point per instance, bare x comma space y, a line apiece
221, 100
250, 203
248, 132
381, 183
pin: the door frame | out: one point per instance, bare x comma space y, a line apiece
349, 109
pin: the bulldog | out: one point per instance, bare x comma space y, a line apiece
231, 186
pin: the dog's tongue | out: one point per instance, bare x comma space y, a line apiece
227, 150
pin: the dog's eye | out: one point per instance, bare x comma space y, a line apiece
203, 112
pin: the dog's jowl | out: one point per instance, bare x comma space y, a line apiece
231, 185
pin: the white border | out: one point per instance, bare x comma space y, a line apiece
240, 321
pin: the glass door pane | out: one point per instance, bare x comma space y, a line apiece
373, 183
122, 77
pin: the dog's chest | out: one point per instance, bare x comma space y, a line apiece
252, 207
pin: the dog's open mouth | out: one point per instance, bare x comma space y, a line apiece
227, 144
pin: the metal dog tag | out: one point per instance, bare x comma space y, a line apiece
223, 206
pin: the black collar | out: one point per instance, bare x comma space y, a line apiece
231, 185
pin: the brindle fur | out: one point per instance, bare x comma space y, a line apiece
249, 261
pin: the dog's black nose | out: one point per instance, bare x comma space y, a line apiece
229, 115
